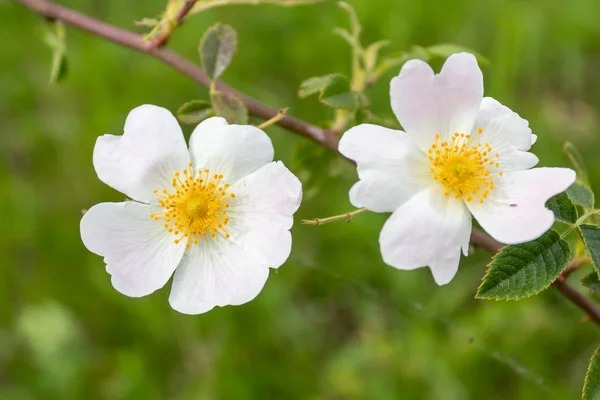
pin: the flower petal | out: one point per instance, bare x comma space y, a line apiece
515, 210
138, 251
426, 104
387, 163
429, 229
262, 212
231, 150
502, 128
216, 272
145, 157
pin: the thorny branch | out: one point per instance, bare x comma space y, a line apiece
325, 137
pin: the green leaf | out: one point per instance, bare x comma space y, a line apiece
444, 50
354, 22
522, 270
217, 48
563, 208
581, 194
59, 68
334, 91
195, 111
592, 282
591, 241
229, 107
573, 155
591, 387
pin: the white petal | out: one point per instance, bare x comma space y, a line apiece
502, 128
151, 149
533, 139
515, 211
429, 229
515, 160
231, 150
262, 212
138, 251
216, 272
388, 163
426, 104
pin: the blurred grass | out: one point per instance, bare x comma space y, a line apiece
334, 322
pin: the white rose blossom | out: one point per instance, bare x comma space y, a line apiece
217, 216
460, 154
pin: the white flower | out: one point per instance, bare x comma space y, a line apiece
218, 215
461, 154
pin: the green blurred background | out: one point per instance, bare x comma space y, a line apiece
334, 322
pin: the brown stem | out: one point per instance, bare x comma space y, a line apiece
164, 34
325, 137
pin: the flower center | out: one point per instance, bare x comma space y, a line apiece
463, 166
195, 206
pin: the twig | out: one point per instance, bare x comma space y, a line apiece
324, 137
206, 4
166, 31
275, 119
346, 216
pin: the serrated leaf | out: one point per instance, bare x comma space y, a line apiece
229, 107
217, 48
336, 93
591, 387
592, 282
444, 50
522, 270
581, 194
591, 241
563, 208
314, 85
575, 157
195, 111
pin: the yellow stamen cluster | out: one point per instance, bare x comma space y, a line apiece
196, 206
463, 166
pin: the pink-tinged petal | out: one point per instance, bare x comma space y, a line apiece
428, 230
138, 251
515, 210
151, 149
261, 213
214, 273
388, 164
231, 150
426, 104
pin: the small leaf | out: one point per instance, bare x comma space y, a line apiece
336, 93
563, 208
592, 282
354, 22
591, 387
60, 67
444, 50
195, 111
573, 155
229, 107
591, 241
217, 48
581, 194
314, 85
522, 270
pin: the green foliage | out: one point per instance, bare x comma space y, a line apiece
229, 107
563, 208
334, 91
217, 48
591, 387
195, 111
592, 282
591, 240
576, 159
522, 270
55, 38
581, 194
